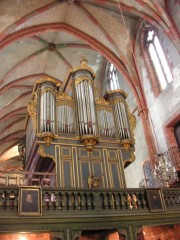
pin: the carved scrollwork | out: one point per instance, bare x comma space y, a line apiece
102, 101
47, 137
82, 78
32, 110
130, 160
48, 89
83, 66
89, 141
49, 79
126, 144
94, 182
43, 154
64, 96
132, 122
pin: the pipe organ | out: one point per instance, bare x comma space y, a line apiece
123, 117
47, 108
83, 93
92, 134
65, 115
105, 119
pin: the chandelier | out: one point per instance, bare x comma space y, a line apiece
164, 172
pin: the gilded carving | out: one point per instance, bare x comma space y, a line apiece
118, 91
47, 137
32, 110
131, 159
83, 66
103, 107
94, 182
132, 122
102, 101
82, 78
67, 103
119, 99
89, 141
126, 143
64, 96
49, 79
43, 154
44, 90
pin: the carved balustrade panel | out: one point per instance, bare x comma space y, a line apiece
76, 200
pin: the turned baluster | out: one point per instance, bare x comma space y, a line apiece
77, 201
122, 201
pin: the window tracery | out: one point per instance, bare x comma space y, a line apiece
158, 58
113, 81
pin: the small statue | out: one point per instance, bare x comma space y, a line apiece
94, 182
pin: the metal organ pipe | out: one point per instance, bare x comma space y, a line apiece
86, 109
66, 119
121, 115
106, 123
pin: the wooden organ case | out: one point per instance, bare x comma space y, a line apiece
90, 140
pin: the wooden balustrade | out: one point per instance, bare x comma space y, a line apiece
76, 200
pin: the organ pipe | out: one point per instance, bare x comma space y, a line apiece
122, 118
83, 77
47, 110
59, 113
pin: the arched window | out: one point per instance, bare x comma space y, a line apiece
113, 82
158, 59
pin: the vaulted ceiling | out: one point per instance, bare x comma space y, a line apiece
40, 38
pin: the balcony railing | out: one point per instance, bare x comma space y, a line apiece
15, 179
122, 201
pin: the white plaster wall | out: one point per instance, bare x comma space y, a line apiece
134, 172
174, 7
167, 104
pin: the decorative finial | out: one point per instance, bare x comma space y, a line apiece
83, 61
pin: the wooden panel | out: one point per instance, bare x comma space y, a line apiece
85, 173
67, 174
115, 177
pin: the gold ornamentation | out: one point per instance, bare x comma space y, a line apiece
32, 110
49, 79
132, 122
83, 66
106, 108
64, 96
126, 144
82, 78
44, 90
83, 61
94, 182
119, 99
47, 137
90, 141
130, 160
67, 103
43, 154
118, 91
102, 101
